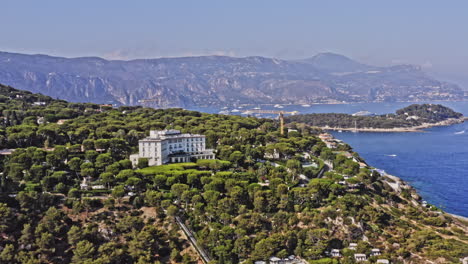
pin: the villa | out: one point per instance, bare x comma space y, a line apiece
335, 253
360, 257
375, 252
171, 146
352, 246
383, 261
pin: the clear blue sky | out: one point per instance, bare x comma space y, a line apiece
432, 33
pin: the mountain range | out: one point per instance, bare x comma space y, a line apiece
221, 80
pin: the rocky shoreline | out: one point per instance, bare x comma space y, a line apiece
447, 122
397, 184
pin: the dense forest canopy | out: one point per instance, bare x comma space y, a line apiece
69, 194
410, 116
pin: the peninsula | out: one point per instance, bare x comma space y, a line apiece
413, 118
70, 194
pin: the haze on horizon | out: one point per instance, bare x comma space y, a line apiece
429, 33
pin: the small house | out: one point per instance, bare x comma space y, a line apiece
331, 144
62, 121
355, 186
275, 260
352, 246
6, 151
383, 261
325, 136
375, 252
84, 184
360, 257
335, 253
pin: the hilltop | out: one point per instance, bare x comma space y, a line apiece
266, 195
220, 80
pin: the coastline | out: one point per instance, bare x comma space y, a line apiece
460, 217
397, 184
329, 103
420, 128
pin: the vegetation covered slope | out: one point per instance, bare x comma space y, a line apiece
240, 207
410, 116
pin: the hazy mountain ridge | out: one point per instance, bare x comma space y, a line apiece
215, 80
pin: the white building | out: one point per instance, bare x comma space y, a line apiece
383, 261
360, 257
171, 146
335, 253
375, 252
84, 184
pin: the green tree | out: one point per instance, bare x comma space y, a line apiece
237, 158
8, 254
118, 192
142, 163
179, 188
103, 160
294, 166
107, 178
6, 216
83, 252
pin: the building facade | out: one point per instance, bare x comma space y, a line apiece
171, 146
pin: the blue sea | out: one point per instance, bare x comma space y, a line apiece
435, 161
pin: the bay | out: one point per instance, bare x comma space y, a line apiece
434, 161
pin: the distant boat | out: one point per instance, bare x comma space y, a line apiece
278, 106
460, 132
224, 108
363, 113
225, 112
235, 110
305, 105
340, 131
257, 108
392, 155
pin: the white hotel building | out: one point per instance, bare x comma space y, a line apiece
171, 146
